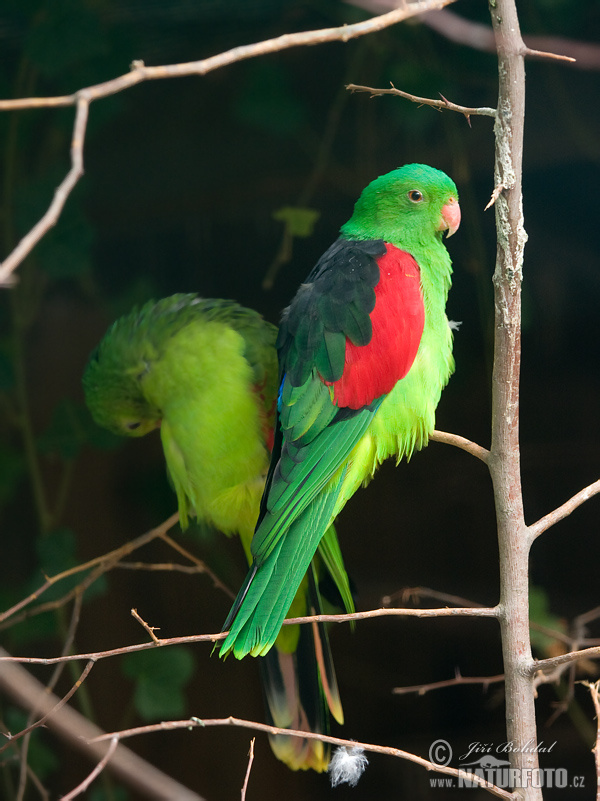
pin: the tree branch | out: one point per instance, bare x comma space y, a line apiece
95, 772
564, 659
458, 680
58, 706
106, 561
450, 25
140, 73
213, 638
26, 691
461, 442
173, 725
248, 769
440, 105
563, 511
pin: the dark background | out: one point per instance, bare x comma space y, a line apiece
182, 178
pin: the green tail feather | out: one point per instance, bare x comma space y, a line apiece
267, 593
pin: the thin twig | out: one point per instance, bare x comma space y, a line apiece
421, 689
440, 105
107, 558
249, 768
498, 189
60, 704
173, 725
585, 55
587, 617
199, 563
564, 511
68, 642
95, 773
73, 728
61, 194
140, 73
415, 593
213, 638
407, 594
149, 629
565, 659
168, 567
582, 55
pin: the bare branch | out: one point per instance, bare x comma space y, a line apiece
26, 691
440, 105
564, 511
565, 659
158, 567
173, 725
60, 704
587, 617
213, 638
462, 443
95, 773
149, 629
250, 761
481, 611
198, 562
61, 194
24, 770
458, 680
106, 560
582, 55
415, 593
140, 73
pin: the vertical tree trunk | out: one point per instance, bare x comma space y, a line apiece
505, 458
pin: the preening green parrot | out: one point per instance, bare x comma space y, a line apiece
205, 373
365, 350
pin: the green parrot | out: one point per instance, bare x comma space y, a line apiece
365, 350
205, 373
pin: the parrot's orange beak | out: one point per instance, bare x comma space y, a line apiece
450, 217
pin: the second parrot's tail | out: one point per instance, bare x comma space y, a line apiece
301, 690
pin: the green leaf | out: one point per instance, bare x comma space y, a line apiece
299, 221
159, 677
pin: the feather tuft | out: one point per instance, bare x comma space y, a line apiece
347, 765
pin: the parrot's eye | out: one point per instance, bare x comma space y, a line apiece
132, 426
415, 196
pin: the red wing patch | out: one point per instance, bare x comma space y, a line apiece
398, 318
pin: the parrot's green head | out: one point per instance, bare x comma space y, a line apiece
407, 206
117, 371
113, 380
113, 393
